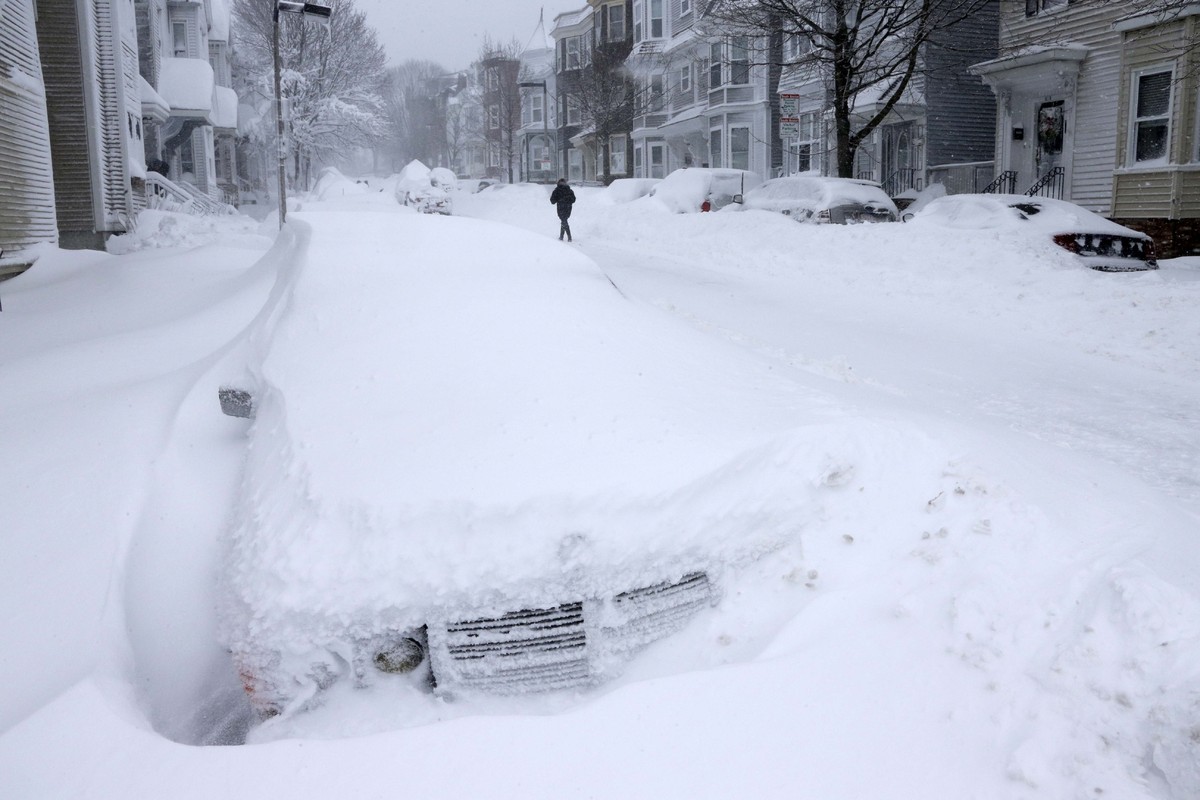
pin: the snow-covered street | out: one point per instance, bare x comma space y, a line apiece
989, 586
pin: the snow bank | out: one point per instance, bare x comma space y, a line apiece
158, 229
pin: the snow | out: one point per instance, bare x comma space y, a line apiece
971, 464
187, 84
225, 108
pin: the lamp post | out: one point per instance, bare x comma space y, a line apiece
545, 111
321, 14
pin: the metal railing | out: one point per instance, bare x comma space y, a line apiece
1050, 185
166, 195
1005, 183
901, 181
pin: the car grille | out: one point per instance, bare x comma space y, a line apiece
563, 647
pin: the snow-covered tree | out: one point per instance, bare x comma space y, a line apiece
333, 78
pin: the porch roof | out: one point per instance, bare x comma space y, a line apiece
1031, 67
225, 109
153, 105
187, 86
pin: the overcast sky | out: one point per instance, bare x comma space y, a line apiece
450, 31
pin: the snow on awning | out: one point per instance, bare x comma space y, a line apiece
1032, 69
153, 105
187, 86
225, 109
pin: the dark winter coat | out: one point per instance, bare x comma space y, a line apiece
564, 198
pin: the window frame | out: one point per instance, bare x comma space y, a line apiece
619, 8
638, 22
656, 25
716, 59
617, 144
734, 131
739, 67
1136, 122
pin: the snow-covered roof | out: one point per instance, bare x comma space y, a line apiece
187, 86
225, 108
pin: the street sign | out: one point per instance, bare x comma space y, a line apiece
789, 127
789, 105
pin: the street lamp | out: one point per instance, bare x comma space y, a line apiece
321, 14
545, 111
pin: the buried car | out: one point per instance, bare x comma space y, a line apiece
490, 475
1098, 243
703, 188
810, 198
424, 189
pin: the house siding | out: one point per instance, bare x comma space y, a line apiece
62, 70
26, 179
960, 117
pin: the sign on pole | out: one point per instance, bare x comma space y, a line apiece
789, 105
789, 127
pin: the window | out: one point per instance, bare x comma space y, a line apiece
179, 39
637, 162
715, 57
573, 53
537, 111
616, 22
494, 116
658, 160
637, 20
714, 149
685, 7
806, 143
575, 165
654, 93
796, 46
739, 148
656, 19
739, 61
616, 154
1035, 7
574, 114
685, 81
1151, 117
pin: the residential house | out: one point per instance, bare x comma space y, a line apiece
573, 34
189, 68
1098, 105
88, 52
501, 104
27, 215
607, 96
704, 98
940, 131
536, 135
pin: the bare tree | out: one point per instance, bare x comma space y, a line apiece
854, 45
333, 77
607, 95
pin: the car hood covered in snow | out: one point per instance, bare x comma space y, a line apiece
484, 459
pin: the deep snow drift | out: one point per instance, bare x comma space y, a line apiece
989, 484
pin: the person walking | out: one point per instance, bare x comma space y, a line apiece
564, 198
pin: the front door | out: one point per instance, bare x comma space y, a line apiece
897, 158
1048, 151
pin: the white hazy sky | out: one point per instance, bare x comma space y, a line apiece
450, 31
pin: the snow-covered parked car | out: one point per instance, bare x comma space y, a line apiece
425, 190
449, 494
689, 189
1098, 243
811, 198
